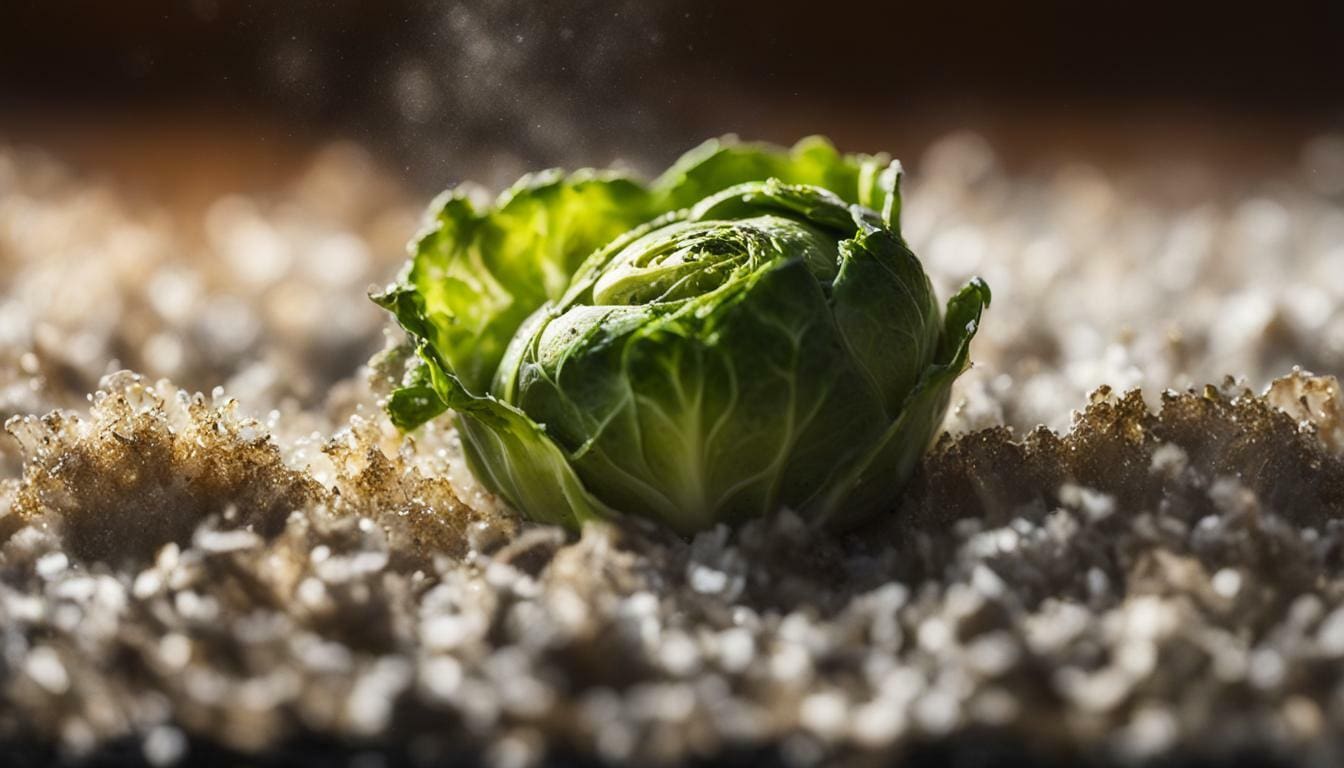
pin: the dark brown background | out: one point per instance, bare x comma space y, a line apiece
588, 82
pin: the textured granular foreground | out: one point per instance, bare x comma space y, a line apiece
1146, 581
276, 577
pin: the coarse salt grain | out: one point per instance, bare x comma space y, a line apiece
43, 665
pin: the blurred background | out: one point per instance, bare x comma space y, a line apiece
205, 189
430, 86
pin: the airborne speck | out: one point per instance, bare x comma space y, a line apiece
482, 75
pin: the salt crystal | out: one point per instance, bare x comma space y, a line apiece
744, 616
1227, 582
175, 650
147, 583
167, 556
448, 631
736, 649
567, 608
995, 707
1055, 625
1168, 459
311, 592
1267, 668
1148, 616
43, 665
501, 575
78, 589
986, 581
669, 702
163, 746
24, 609
77, 737
706, 580
1098, 583
934, 635
1099, 691
1137, 657
1303, 716
338, 259
373, 694
679, 654
220, 542
1230, 661
441, 676
110, 595
902, 685
877, 724
993, 653
173, 292
1330, 635
196, 607
324, 656
164, 353
615, 740
798, 627
790, 664
52, 564
478, 702
343, 569
1305, 610
640, 604
67, 618
1150, 731
937, 712
1096, 506
515, 750
824, 713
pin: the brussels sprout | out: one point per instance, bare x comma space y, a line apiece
748, 332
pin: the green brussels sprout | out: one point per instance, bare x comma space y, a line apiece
747, 332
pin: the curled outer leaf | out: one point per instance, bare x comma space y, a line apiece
872, 481
505, 449
480, 273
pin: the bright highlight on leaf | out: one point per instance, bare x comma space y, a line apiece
747, 332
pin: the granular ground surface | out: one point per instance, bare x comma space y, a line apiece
1126, 549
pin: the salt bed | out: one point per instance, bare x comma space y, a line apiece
1126, 549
